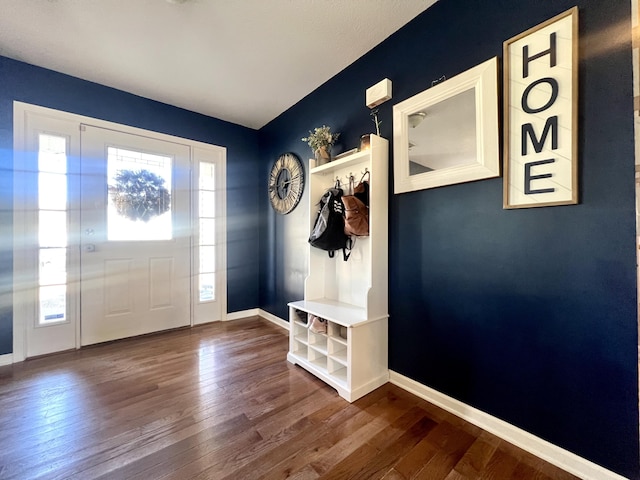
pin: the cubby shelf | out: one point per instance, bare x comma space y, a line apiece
352, 295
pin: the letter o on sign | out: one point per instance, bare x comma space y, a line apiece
552, 82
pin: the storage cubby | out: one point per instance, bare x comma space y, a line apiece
318, 341
352, 295
300, 349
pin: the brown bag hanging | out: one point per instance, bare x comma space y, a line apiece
356, 212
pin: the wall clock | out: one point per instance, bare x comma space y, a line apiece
286, 183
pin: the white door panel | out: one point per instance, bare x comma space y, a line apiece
135, 274
45, 282
209, 253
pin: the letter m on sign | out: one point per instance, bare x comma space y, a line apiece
528, 133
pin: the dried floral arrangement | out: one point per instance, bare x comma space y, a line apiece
321, 137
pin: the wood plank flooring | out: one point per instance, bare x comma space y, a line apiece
221, 402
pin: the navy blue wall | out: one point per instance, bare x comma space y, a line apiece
529, 315
39, 86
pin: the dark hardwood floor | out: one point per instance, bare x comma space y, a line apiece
221, 402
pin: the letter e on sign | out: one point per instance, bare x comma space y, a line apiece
541, 114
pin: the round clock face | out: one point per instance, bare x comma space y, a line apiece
286, 183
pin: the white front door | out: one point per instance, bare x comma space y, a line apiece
134, 235
112, 236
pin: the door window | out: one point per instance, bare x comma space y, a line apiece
52, 229
139, 191
207, 232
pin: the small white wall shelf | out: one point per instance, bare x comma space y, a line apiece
351, 294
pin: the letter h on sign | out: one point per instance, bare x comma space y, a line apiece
540, 148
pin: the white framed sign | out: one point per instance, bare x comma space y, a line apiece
541, 114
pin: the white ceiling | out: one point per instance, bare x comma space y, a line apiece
244, 61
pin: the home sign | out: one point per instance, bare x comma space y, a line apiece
540, 114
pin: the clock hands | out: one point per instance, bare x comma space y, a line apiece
279, 185
286, 182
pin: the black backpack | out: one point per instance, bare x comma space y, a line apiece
328, 229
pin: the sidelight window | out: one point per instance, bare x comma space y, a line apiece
52, 229
207, 232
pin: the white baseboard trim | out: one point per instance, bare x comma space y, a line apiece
549, 452
273, 319
258, 312
242, 314
6, 359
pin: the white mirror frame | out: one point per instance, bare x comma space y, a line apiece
484, 78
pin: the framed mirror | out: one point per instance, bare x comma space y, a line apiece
448, 134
